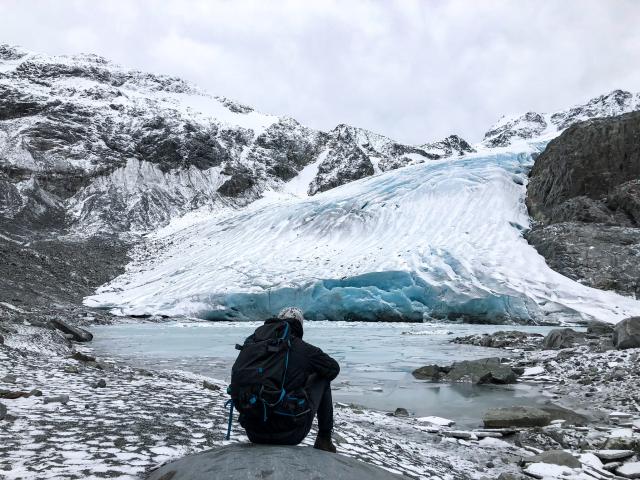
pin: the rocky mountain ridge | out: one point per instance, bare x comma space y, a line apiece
91, 146
94, 148
531, 124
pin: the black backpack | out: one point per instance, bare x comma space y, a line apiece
259, 374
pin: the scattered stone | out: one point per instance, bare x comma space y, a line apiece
464, 435
611, 466
568, 416
9, 379
100, 383
401, 412
81, 357
510, 476
210, 386
539, 370
556, 457
485, 370
547, 470
78, 334
560, 338
13, 394
519, 416
503, 339
599, 328
629, 470
591, 460
35, 393
483, 434
268, 461
64, 399
438, 421
611, 455
3, 411
428, 372
626, 334
71, 369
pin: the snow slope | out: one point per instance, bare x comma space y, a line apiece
437, 239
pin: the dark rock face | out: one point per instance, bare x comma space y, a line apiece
563, 338
584, 194
242, 461
626, 334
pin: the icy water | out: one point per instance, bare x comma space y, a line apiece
376, 360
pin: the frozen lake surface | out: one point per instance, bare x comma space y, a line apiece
376, 360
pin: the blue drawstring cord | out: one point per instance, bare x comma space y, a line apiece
230, 404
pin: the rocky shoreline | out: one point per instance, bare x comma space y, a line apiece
86, 417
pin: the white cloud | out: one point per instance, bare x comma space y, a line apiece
413, 70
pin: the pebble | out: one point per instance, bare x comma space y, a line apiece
210, 386
9, 379
613, 454
101, 383
58, 398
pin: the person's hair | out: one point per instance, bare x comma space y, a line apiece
291, 313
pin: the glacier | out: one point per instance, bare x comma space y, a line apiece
442, 239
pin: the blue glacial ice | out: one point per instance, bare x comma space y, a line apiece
435, 240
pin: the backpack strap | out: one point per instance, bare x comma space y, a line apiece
230, 404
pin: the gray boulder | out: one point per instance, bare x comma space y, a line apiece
428, 372
485, 370
626, 334
3, 411
243, 461
563, 338
555, 457
518, 416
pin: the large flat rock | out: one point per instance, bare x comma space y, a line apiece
249, 461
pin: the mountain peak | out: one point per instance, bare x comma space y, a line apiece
532, 124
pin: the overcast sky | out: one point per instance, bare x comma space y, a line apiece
412, 70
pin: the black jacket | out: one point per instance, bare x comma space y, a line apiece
304, 360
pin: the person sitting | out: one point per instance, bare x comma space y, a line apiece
283, 414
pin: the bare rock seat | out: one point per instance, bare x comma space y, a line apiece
249, 461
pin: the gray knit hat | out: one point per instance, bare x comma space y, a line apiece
291, 313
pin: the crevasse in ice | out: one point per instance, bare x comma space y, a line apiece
439, 239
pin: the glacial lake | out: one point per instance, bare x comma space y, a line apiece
376, 360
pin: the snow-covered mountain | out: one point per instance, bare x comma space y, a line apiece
88, 144
531, 124
259, 211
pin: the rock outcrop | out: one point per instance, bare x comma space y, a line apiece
626, 334
563, 338
89, 145
243, 461
584, 196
